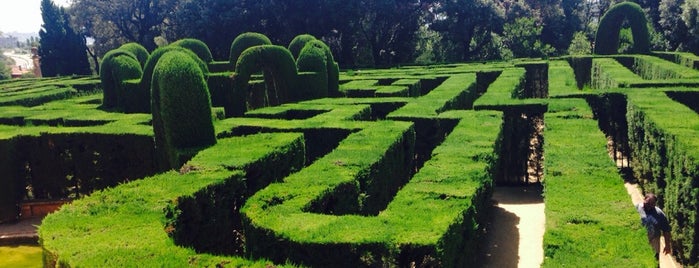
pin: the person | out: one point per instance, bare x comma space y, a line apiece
655, 222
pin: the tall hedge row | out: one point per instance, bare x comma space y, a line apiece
607, 39
312, 58
297, 44
196, 46
117, 66
137, 50
665, 156
181, 108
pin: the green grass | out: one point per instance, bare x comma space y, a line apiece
21, 256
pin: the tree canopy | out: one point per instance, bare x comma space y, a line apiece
62, 50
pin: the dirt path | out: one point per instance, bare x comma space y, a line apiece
515, 229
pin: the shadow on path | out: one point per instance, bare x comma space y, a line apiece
515, 228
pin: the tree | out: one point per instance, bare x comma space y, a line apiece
62, 50
466, 26
672, 26
523, 38
690, 16
112, 23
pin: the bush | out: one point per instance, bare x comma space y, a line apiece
607, 40
196, 46
147, 78
312, 58
297, 44
137, 50
181, 108
280, 74
117, 66
245, 41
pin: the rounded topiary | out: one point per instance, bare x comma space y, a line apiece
112, 75
196, 46
137, 50
279, 73
298, 43
313, 72
607, 39
245, 41
146, 80
181, 108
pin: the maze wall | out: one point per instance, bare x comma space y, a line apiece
398, 171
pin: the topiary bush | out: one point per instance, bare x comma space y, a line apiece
280, 75
245, 41
297, 44
181, 108
137, 50
314, 83
196, 46
117, 66
607, 40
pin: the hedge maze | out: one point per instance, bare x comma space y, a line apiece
275, 158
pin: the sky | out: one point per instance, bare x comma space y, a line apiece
23, 16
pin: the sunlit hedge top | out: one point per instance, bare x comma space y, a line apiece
245, 41
607, 40
117, 66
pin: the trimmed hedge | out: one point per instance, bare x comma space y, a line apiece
654, 68
607, 73
117, 66
664, 154
607, 39
245, 41
280, 76
297, 44
284, 220
686, 59
590, 220
137, 50
149, 209
181, 107
196, 46
313, 83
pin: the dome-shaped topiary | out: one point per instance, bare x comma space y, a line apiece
196, 46
298, 43
279, 73
137, 50
245, 41
607, 39
181, 108
313, 72
117, 66
147, 78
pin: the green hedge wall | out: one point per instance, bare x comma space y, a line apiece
196, 46
449, 191
117, 66
654, 68
297, 44
607, 39
128, 225
181, 108
664, 153
607, 73
280, 75
313, 83
590, 220
137, 50
245, 41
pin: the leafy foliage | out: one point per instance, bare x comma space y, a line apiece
62, 50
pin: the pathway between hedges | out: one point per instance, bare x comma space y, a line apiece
515, 229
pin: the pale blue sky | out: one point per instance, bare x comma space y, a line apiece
22, 16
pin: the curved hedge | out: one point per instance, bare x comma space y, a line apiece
297, 44
196, 46
332, 67
112, 75
137, 50
245, 41
181, 108
280, 74
607, 40
312, 59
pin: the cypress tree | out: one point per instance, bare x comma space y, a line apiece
62, 50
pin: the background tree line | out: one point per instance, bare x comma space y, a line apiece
366, 33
